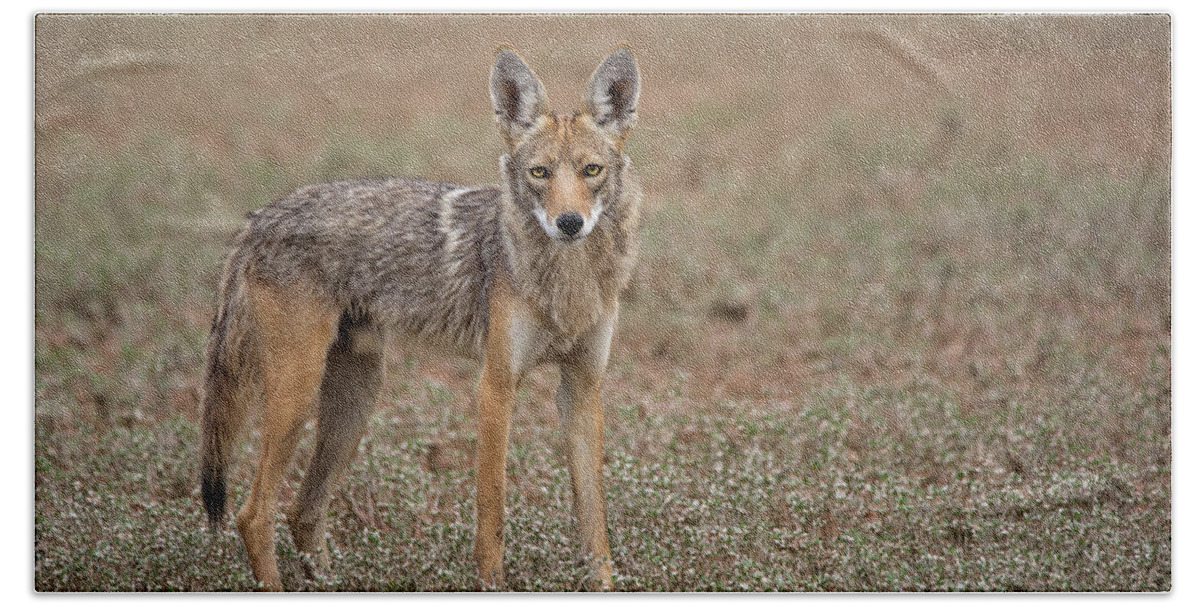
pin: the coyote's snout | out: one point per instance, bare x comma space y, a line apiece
516, 276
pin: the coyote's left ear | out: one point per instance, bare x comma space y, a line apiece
612, 93
517, 95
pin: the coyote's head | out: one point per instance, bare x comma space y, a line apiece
564, 168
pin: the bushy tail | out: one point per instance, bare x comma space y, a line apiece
232, 383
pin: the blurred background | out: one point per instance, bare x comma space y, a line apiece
902, 318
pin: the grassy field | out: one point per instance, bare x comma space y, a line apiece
902, 319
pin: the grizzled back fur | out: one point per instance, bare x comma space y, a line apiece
412, 255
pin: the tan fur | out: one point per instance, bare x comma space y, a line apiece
497, 386
516, 276
295, 330
578, 399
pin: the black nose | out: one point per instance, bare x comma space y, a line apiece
570, 223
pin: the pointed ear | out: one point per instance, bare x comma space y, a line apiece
517, 95
612, 92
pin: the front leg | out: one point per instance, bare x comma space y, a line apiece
506, 355
495, 406
578, 400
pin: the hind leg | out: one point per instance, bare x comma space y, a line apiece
353, 374
295, 333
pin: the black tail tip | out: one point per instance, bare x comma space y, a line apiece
212, 488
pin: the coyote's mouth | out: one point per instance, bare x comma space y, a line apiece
553, 230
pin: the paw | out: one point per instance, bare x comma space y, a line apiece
601, 575
316, 565
491, 578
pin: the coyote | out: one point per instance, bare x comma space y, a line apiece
516, 275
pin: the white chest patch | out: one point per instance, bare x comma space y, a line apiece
527, 342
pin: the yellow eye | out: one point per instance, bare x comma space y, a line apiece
592, 170
539, 172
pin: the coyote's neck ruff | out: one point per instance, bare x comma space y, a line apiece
518, 275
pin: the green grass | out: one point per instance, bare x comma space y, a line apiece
854, 490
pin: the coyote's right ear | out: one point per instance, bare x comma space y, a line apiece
517, 95
612, 92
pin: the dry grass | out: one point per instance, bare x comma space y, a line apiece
902, 319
